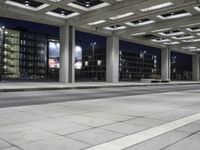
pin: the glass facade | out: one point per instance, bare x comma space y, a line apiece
138, 61
1, 51
93, 66
11, 54
181, 70
25, 55
135, 66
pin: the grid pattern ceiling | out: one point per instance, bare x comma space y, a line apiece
162, 23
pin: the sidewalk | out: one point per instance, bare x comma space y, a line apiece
167, 121
38, 86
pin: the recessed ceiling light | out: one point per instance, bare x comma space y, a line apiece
88, 7
171, 33
160, 40
191, 41
137, 34
160, 30
122, 16
163, 5
115, 28
96, 22
183, 37
26, 5
193, 29
197, 8
173, 15
171, 43
134, 24
193, 24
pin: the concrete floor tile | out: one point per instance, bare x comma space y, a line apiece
58, 143
63, 128
95, 136
123, 128
146, 122
4, 145
25, 137
111, 116
12, 148
190, 128
21, 117
190, 143
88, 121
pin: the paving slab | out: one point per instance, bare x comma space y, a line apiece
190, 143
95, 136
58, 143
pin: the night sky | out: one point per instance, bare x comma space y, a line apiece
85, 40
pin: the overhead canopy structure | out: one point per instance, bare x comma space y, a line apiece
160, 23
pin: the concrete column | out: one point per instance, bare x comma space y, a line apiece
165, 64
67, 49
195, 67
112, 59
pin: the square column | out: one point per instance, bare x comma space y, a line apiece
165, 64
112, 59
67, 50
195, 68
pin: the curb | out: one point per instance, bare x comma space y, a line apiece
91, 87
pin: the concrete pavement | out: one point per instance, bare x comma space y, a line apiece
78, 125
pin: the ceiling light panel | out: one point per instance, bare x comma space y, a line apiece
115, 27
171, 43
191, 41
174, 15
27, 4
197, 8
183, 37
194, 29
62, 13
161, 30
160, 40
155, 7
122, 16
87, 5
138, 34
171, 33
140, 22
96, 22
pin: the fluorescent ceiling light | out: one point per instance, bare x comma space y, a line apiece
139, 24
195, 30
62, 16
194, 24
189, 47
122, 16
198, 33
113, 29
96, 22
172, 34
55, 0
137, 34
183, 38
160, 40
160, 30
197, 8
192, 40
163, 5
175, 16
88, 9
171, 43
25, 6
